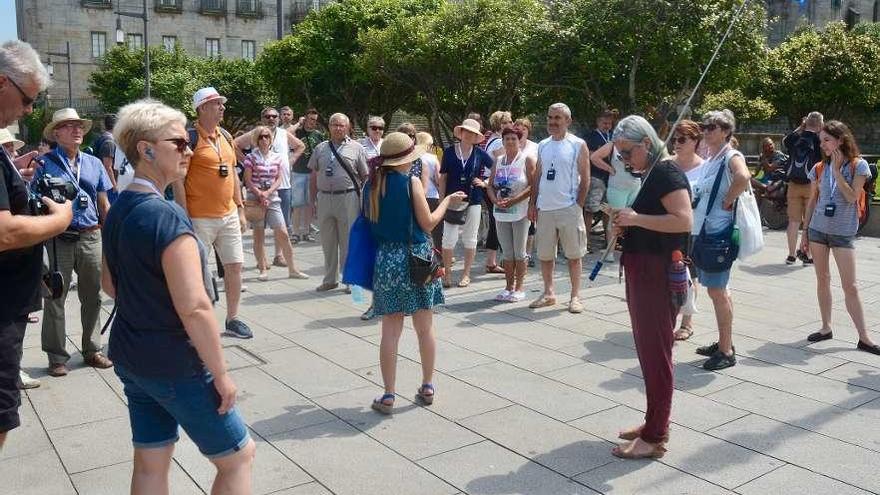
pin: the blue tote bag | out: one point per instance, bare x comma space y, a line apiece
360, 262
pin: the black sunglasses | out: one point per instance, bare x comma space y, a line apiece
709, 127
376, 128
267, 136
680, 139
181, 143
270, 116
26, 100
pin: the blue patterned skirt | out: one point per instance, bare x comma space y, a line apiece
393, 292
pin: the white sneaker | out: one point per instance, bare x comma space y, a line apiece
503, 295
516, 296
26, 382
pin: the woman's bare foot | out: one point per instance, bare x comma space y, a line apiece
639, 449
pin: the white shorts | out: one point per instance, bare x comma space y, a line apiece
222, 234
467, 232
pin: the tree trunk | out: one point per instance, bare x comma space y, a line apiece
632, 80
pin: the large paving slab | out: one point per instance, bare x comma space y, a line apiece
527, 401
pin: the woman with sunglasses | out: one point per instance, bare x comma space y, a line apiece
262, 177
686, 137
832, 221
718, 128
373, 140
165, 339
656, 225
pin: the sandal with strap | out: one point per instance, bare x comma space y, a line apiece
381, 403
425, 394
684, 332
658, 451
494, 269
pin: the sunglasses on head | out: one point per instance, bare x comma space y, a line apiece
180, 143
376, 128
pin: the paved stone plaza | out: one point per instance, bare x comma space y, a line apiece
527, 401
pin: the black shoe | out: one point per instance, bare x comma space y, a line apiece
819, 336
873, 349
239, 329
708, 350
294, 239
804, 258
719, 361
790, 260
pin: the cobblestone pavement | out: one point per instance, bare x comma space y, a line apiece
527, 401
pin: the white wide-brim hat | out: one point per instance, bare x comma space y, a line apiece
469, 125
62, 116
7, 137
205, 95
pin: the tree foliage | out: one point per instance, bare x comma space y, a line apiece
175, 77
320, 64
835, 70
745, 109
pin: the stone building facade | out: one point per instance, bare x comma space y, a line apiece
787, 15
226, 28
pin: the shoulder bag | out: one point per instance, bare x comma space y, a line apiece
422, 269
459, 217
715, 253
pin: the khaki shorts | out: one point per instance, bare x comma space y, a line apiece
797, 197
595, 195
222, 234
565, 226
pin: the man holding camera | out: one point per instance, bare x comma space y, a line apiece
79, 247
22, 78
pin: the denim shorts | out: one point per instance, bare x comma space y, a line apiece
299, 190
831, 240
713, 280
156, 407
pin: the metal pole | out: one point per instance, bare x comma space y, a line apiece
146, 54
69, 77
279, 14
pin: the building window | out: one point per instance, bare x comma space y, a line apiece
99, 44
135, 41
876, 11
248, 49
169, 42
212, 47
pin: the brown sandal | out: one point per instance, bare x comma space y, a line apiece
494, 269
657, 452
683, 333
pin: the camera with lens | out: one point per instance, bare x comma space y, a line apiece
54, 188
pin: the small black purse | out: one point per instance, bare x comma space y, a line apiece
422, 269
716, 252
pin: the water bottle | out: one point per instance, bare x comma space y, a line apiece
734, 237
357, 294
678, 280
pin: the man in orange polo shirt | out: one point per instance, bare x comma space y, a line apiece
211, 195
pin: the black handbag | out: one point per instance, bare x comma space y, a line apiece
422, 269
716, 252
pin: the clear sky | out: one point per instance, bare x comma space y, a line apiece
7, 22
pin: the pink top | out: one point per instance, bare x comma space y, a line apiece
264, 169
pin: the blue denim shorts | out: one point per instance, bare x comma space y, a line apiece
299, 190
713, 280
831, 240
156, 407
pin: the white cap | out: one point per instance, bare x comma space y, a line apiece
205, 95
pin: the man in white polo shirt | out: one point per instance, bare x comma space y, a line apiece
562, 180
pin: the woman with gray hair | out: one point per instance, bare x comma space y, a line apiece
373, 140
655, 230
725, 173
165, 339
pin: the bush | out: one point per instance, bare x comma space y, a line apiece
744, 108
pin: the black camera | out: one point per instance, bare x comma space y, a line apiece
54, 188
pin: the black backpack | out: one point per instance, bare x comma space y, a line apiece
802, 157
194, 137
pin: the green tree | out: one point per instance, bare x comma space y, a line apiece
467, 56
834, 70
175, 77
644, 56
746, 109
320, 65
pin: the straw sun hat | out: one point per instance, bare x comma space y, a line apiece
398, 148
63, 116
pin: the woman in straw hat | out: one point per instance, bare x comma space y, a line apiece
400, 219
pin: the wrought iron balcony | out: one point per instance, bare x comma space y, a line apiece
249, 8
173, 6
212, 7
